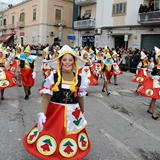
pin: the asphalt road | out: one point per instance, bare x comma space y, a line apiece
119, 126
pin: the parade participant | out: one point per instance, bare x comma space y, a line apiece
60, 133
97, 63
151, 87
7, 52
13, 66
142, 67
7, 79
28, 70
87, 70
45, 65
115, 59
106, 70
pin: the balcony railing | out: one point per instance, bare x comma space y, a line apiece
149, 18
21, 24
11, 26
85, 2
4, 27
83, 24
58, 22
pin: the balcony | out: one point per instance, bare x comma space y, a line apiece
149, 18
85, 2
84, 24
11, 26
58, 22
3, 27
21, 24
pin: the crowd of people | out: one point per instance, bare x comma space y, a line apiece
68, 72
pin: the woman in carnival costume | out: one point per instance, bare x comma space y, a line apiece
7, 79
97, 63
87, 70
151, 87
60, 133
14, 67
27, 65
107, 68
142, 68
117, 70
45, 65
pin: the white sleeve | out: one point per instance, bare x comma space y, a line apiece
48, 82
84, 85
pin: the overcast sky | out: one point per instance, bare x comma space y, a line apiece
11, 1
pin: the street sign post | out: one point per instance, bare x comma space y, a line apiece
71, 37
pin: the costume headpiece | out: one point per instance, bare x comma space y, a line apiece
91, 51
108, 56
27, 50
143, 55
97, 51
157, 50
106, 50
114, 53
79, 63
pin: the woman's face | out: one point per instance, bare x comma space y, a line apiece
67, 62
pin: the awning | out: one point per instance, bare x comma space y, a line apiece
5, 37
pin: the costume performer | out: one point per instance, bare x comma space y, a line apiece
28, 70
13, 65
87, 70
60, 133
7, 79
151, 87
97, 63
117, 70
142, 67
108, 67
45, 65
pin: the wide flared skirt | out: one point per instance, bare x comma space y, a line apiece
150, 88
140, 77
63, 137
7, 79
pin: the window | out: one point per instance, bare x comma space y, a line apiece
12, 19
119, 9
58, 14
34, 13
0, 21
4, 21
21, 17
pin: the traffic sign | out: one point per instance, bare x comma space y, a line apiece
71, 37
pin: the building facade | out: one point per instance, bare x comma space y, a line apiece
37, 22
116, 23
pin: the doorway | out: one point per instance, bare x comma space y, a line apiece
119, 41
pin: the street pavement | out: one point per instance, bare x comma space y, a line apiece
119, 126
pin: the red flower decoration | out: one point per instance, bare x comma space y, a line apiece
31, 137
84, 143
86, 69
76, 113
45, 147
68, 149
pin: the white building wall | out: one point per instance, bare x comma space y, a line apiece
132, 12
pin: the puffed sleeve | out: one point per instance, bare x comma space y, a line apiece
47, 83
84, 85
